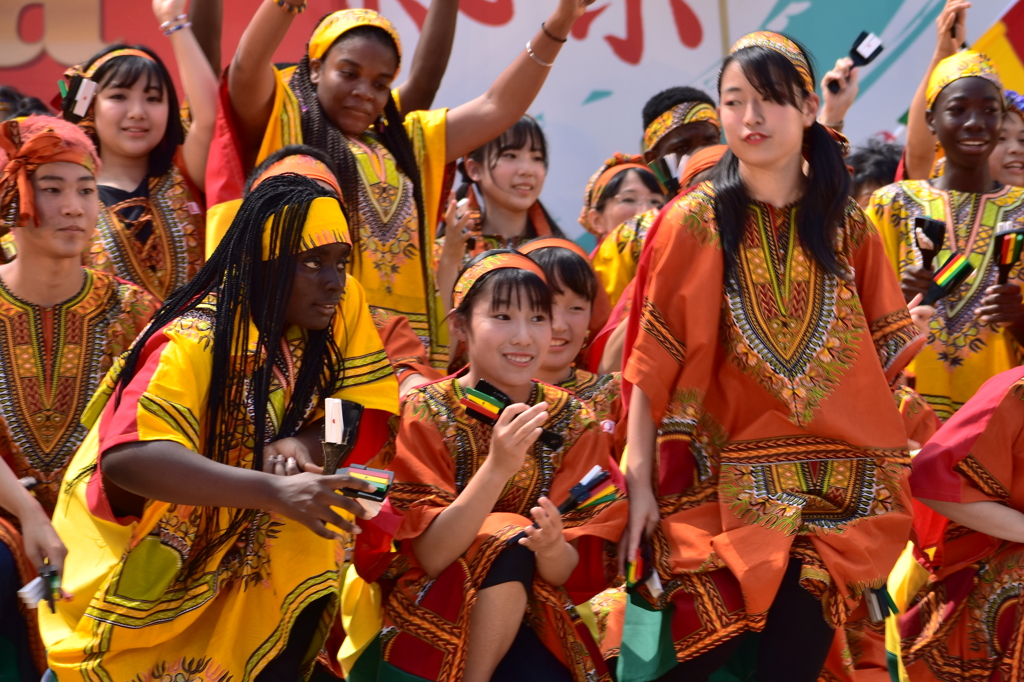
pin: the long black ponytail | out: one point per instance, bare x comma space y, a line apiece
822, 208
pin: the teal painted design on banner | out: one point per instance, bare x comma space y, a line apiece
596, 95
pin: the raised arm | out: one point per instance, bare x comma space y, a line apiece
430, 60
251, 74
479, 121
920, 151
200, 85
207, 17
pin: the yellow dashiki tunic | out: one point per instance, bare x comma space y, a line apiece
394, 261
960, 354
133, 616
616, 259
152, 237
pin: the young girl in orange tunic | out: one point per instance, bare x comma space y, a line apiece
769, 333
579, 309
480, 601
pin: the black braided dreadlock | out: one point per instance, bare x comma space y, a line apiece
247, 287
318, 131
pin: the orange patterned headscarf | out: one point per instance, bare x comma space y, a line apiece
27, 144
784, 46
335, 25
300, 164
491, 263
599, 180
967, 64
679, 115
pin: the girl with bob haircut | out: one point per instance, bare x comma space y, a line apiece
152, 224
770, 330
468, 493
579, 309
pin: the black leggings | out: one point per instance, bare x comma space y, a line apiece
792, 647
527, 658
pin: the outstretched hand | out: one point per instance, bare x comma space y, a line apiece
309, 498
951, 28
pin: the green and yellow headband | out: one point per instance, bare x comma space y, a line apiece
325, 224
784, 46
680, 114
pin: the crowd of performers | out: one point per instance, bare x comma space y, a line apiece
805, 411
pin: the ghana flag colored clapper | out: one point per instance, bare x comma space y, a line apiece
1004, 43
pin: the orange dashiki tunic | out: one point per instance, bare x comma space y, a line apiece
762, 383
52, 360
136, 614
602, 393
437, 451
964, 623
153, 237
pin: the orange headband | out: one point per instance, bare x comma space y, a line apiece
552, 242
487, 264
619, 163
300, 164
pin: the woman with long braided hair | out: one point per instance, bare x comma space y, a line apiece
391, 162
185, 556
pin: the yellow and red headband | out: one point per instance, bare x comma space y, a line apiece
680, 114
300, 164
335, 25
497, 261
26, 150
325, 224
967, 64
619, 163
784, 46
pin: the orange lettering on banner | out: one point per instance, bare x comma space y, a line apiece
71, 31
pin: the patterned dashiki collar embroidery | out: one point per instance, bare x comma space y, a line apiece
24, 156
335, 25
325, 224
784, 46
966, 64
680, 114
497, 261
619, 163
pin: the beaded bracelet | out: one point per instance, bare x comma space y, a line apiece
167, 24
177, 28
290, 8
529, 51
551, 35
